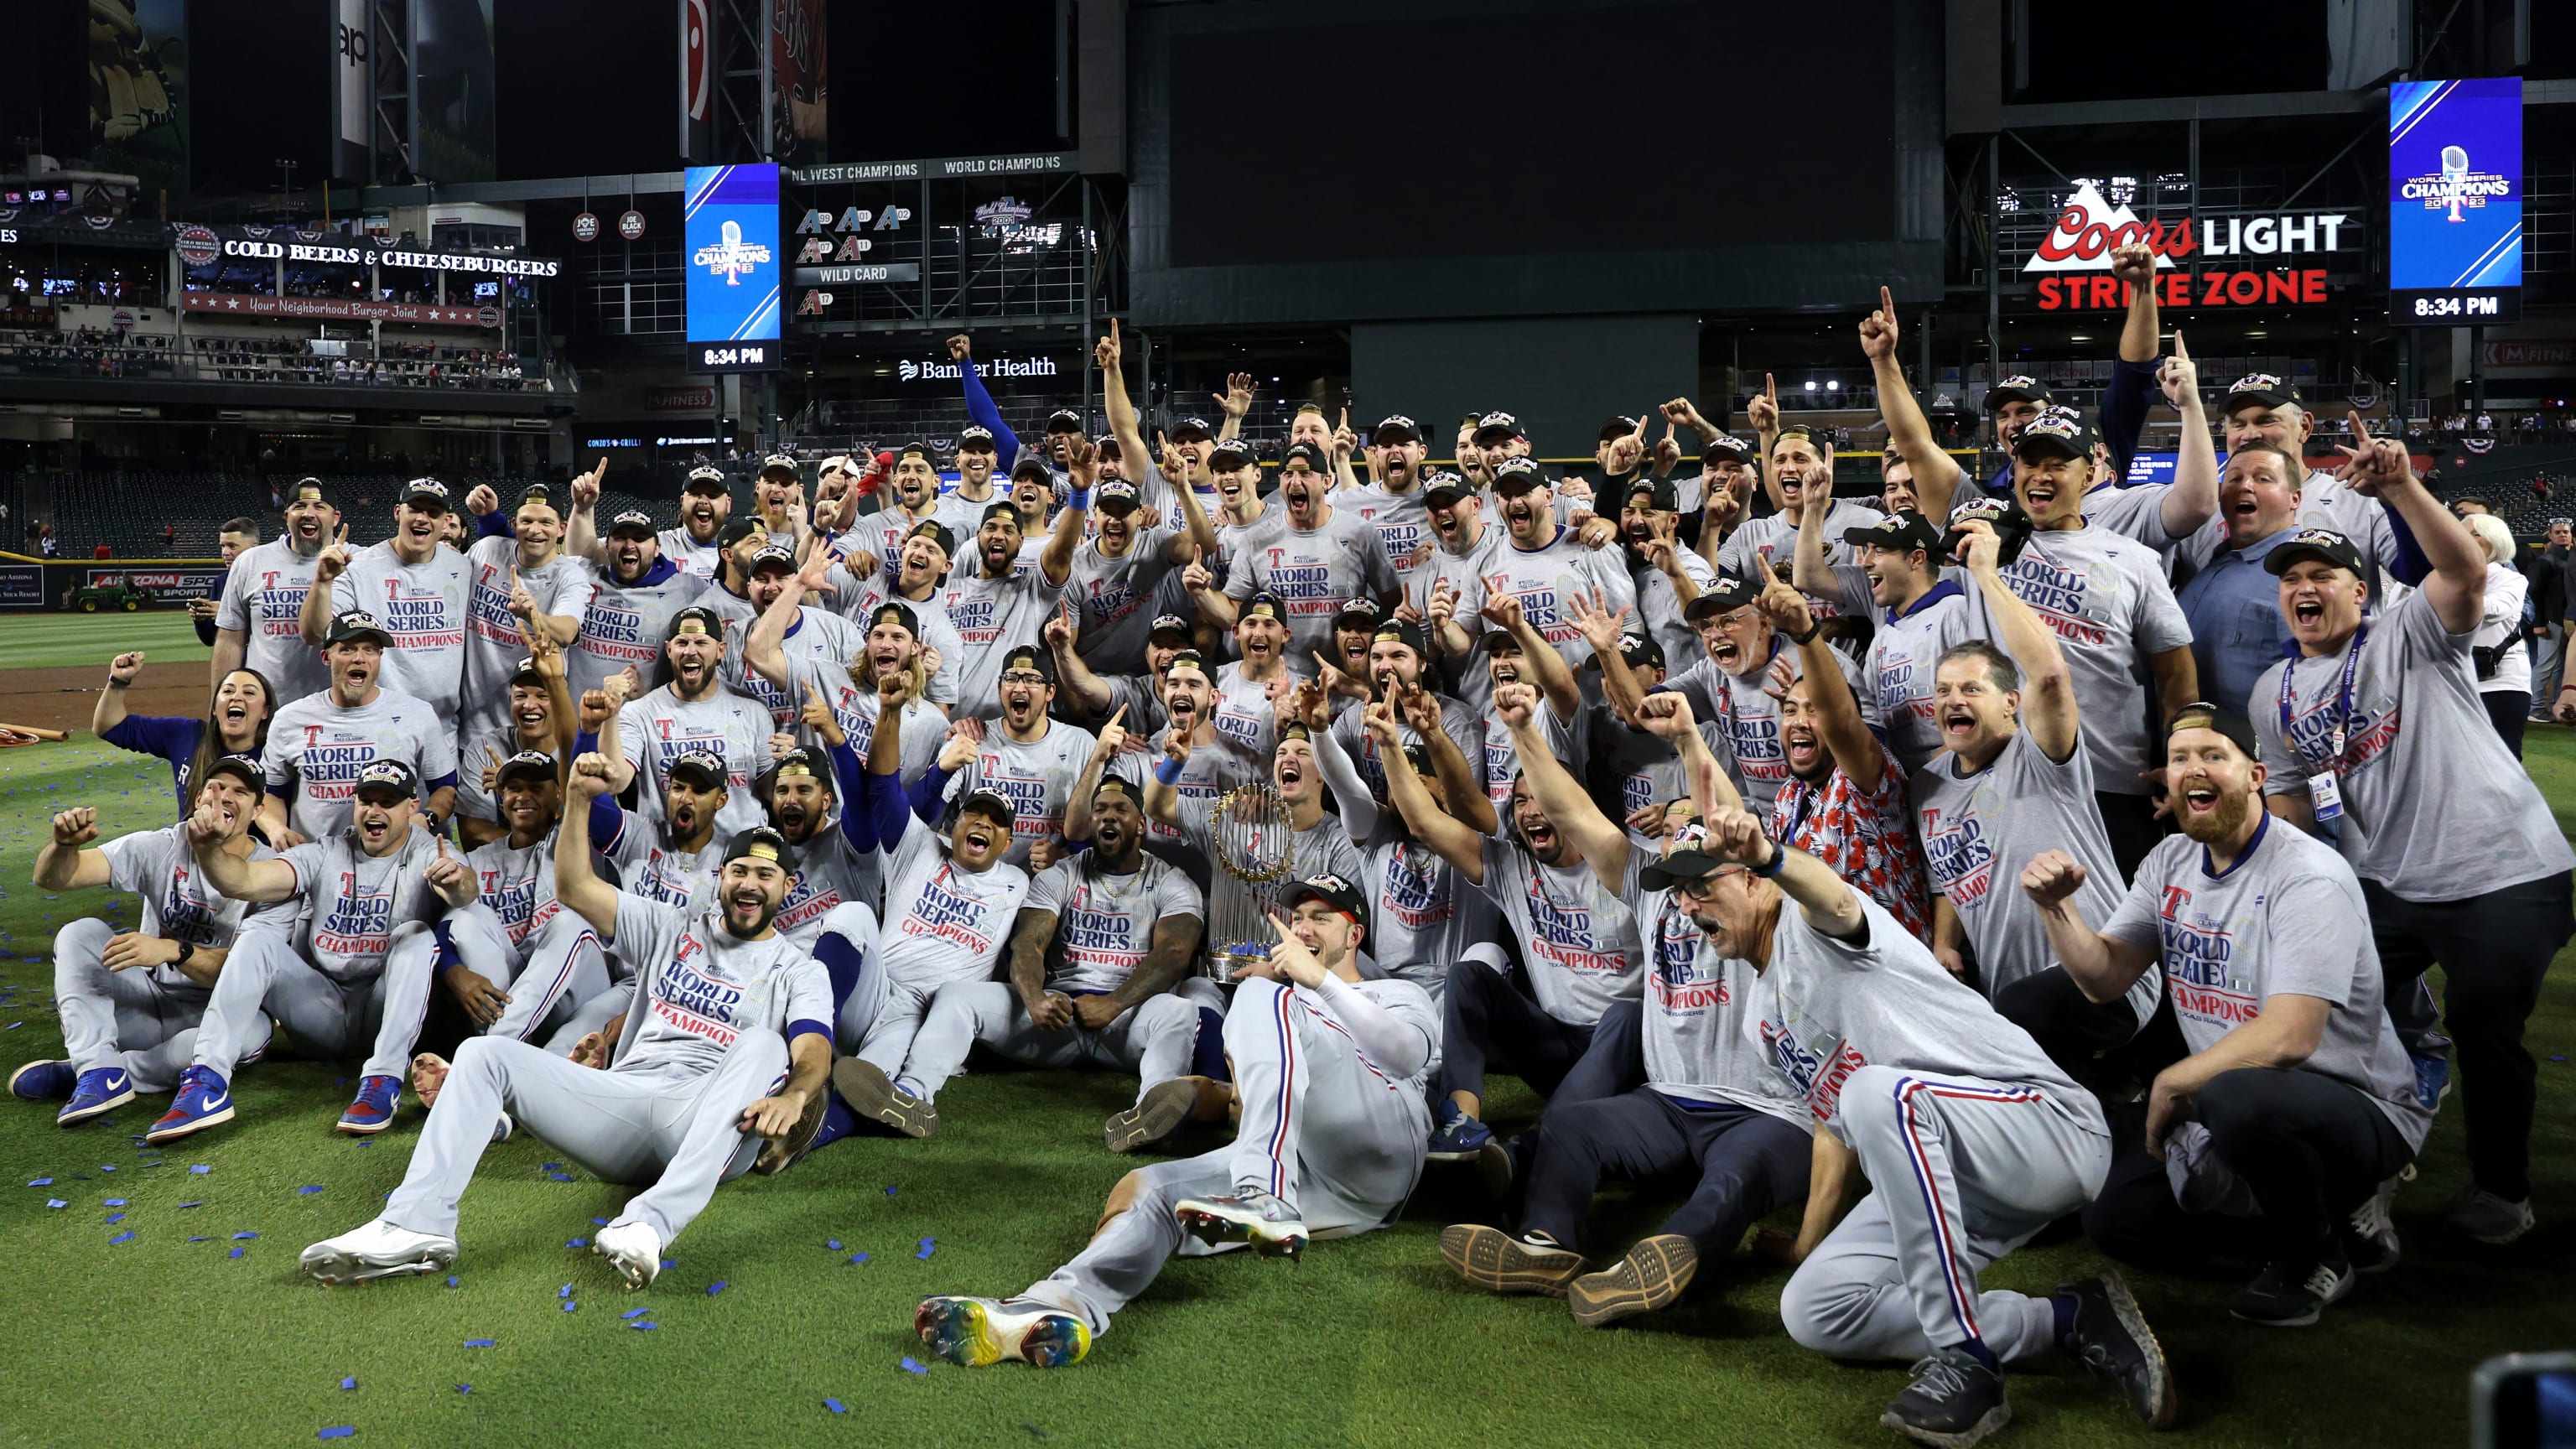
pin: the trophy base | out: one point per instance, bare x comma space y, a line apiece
1223, 966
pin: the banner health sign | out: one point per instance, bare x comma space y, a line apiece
732, 252
2455, 201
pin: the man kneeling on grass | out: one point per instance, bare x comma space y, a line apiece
1330, 1070
728, 1043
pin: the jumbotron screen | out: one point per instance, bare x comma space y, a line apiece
1617, 128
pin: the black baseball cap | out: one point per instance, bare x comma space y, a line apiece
1106, 446
894, 611
1658, 492
1680, 866
1189, 659
1726, 445
937, 532
388, 777
1238, 449
1189, 428
1332, 890
803, 761
1903, 531
1499, 641
425, 490
2017, 388
2262, 389
736, 530
706, 480
1170, 626
780, 463
2202, 715
1730, 594
706, 620
1030, 465
1639, 650
245, 768
1262, 605
525, 672
975, 435
1117, 785
773, 555
539, 493
357, 624
1065, 420
2009, 520
313, 488
2056, 432
1615, 426
1446, 488
1401, 631
2320, 543
536, 764
916, 449
1307, 453
635, 521
1396, 428
700, 769
1029, 656
1360, 613
1518, 475
992, 807
761, 843
1496, 428
1116, 496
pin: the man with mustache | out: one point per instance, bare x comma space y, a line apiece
1513, 651
1562, 879
415, 585
260, 622
922, 562
635, 593
1399, 670
875, 542
1546, 565
1116, 576
320, 967
2379, 729
2295, 1099
792, 644
131, 1001
725, 1052
1139, 696
2263, 408
962, 507
1802, 477
1214, 761
1100, 961
1314, 560
1029, 758
1449, 572
1331, 1070
1664, 575
999, 610
706, 506
1392, 499
521, 587
694, 714
320, 745
1972, 1141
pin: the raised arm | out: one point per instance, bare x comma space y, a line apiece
577, 886
1569, 808
328, 565
1601, 630
2102, 967
1826, 900
1162, 783
2048, 692
1055, 562
979, 403
62, 864
260, 882
1342, 776
1667, 715
1072, 676
2457, 587
1936, 473
1448, 839
1548, 669
109, 712
1808, 568
1077, 809
1464, 783
581, 526
1856, 751
764, 648
2193, 498
1123, 424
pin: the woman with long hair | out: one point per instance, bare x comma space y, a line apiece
236, 723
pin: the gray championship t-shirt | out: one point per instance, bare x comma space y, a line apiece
1579, 942
1036, 776
1698, 1049
494, 639
1313, 572
423, 607
353, 901
945, 923
2106, 599
1113, 599
317, 750
159, 866
2435, 808
818, 649
1759, 543
655, 731
2285, 919
1423, 915
1547, 580
517, 885
1905, 656
1104, 924
625, 626
991, 616
264, 599
702, 988
1464, 729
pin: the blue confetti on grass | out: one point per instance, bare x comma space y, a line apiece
240, 1237
914, 1366
478, 1343
890, 1187
451, 1280
113, 1202
55, 1202
116, 1217
858, 1257
564, 1292
836, 1406
344, 1431
350, 1382
196, 1240
307, 1191
569, 1305
560, 1176
599, 1222
576, 1242
465, 1388
669, 1263
717, 1287
832, 1243
120, 1238
635, 1312
40, 1182
639, 1323
200, 1169
201, 1202
928, 1246
237, 1252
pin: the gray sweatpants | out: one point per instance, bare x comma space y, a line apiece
324, 1015
1153, 1038
681, 1134
128, 1018
560, 964
1321, 1129
1962, 1171
893, 1024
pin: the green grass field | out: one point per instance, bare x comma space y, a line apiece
45, 641
1367, 1343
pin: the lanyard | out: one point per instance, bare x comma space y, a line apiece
2343, 722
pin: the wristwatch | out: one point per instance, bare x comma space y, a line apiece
186, 950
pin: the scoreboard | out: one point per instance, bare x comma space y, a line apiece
2455, 202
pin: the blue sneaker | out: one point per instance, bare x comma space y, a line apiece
204, 1100
2432, 1079
1460, 1139
99, 1091
373, 1111
42, 1081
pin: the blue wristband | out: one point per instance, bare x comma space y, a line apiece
1169, 771
1770, 869
1078, 498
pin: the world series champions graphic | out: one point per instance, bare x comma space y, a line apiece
2455, 201
733, 255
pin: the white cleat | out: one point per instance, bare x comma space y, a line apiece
633, 1248
377, 1250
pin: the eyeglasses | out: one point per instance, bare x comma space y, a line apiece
1022, 676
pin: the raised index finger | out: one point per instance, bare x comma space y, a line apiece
1887, 303
2360, 428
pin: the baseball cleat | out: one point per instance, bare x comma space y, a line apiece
99, 1090
428, 1074
1156, 1116
2112, 1340
204, 1100
776, 1157
2369, 1236
2490, 1218
502, 1129
376, 1250
1461, 1139
1953, 1403
2289, 1294
1497, 1262
1248, 1215
635, 1250
49, 1081
1651, 1276
373, 1109
864, 1086
977, 1332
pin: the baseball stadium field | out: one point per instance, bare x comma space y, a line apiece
156, 1299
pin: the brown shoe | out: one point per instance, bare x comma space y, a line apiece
1497, 1262
876, 1099
1652, 1275
1155, 1118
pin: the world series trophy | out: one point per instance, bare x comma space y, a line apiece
1254, 843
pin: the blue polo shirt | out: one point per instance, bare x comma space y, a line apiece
2237, 632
